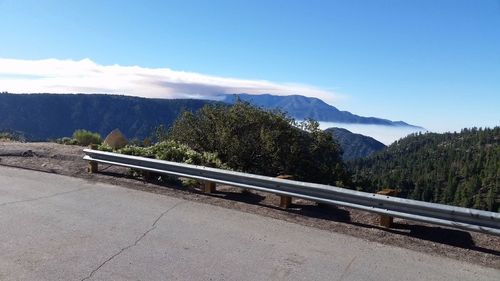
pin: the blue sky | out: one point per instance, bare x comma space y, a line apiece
433, 63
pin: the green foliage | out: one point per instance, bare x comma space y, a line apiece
5, 136
171, 151
264, 142
160, 133
12, 136
104, 147
84, 137
67, 141
136, 151
461, 169
190, 183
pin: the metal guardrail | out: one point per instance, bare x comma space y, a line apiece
456, 217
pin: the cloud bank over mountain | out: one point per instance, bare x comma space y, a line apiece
382, 133
86, 76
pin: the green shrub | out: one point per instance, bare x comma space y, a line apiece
190, 183
136, 151
169, 151
104, 147
253, 140
6, 136
12, 136
67, 141
85, 138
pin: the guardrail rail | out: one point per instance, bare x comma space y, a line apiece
456, 217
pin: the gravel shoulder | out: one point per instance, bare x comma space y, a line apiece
466, 246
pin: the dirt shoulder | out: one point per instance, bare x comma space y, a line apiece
456, 244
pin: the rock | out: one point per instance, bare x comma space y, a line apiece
27, 153
116, 139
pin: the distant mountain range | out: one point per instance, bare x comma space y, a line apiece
355, 145
45, 116
50, 116
300, 107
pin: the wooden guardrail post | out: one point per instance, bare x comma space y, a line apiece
285, 201
147, 175
209, 187
93, 166
385, 220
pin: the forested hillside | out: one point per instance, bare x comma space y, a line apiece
461, 169
355, 146
44, 116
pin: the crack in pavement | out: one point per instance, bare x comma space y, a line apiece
153, 226
43, 197
346, 269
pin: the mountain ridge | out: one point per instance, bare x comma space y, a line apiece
44, 116
302, 107
355, 146
47, 116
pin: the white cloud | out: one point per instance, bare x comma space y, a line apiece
382, 133
86, 76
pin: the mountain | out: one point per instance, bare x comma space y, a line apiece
355, 145
44, 116
460, 169
300, 107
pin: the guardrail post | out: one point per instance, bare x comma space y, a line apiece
386, 221
93, 166
285, 201
209, 187
147, 175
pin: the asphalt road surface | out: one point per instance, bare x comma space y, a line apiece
60, 228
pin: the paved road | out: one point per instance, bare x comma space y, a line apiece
61, 228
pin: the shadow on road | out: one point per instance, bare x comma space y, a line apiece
321, 211
436, 234
441, 235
